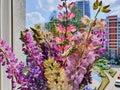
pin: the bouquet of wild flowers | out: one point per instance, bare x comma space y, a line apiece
57, 60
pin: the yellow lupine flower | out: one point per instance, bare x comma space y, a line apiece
55, 75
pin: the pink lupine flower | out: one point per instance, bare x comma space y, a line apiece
80, 78
64, 4
60, 16
70, 6
60, 7
106, 33
106, 42
67, 15
60, 39
3, 43
90, 47
70, 63
91, 57
59, 48
100, 25
84, 63
67, 47
85, 20
71, 28
71, 15
79, 34
96, 40
70, 38
82, 70
61, 28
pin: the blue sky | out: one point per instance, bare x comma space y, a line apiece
38, 11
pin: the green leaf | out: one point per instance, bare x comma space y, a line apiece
101, 64
97, 47
97, 55
103, 61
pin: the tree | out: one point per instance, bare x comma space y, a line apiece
117, 60
53, 20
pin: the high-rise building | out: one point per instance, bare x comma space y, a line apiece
84, 7
113, 37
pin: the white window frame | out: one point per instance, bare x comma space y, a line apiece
12, 21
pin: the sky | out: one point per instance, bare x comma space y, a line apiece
39, 11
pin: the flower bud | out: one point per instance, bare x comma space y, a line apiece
105, 10
100, 3
95, 5
105, 7
64, 4
71, 5
60, 7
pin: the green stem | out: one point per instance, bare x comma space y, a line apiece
66, 23
87, 38
91, 25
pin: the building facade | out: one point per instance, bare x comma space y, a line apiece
113, 37
84, 7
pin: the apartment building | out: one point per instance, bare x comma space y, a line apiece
113, 27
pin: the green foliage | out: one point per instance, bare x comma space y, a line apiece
110, 71
97, 47
101, 64
76, 20
117, 60
50, 26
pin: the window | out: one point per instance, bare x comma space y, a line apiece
12, 21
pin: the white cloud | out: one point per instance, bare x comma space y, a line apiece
50, 5
114, 6
39, 4
50, 1
51, 8
115, 11
35, 18
109, 1
47, 5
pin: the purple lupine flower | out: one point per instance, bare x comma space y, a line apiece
35, 63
